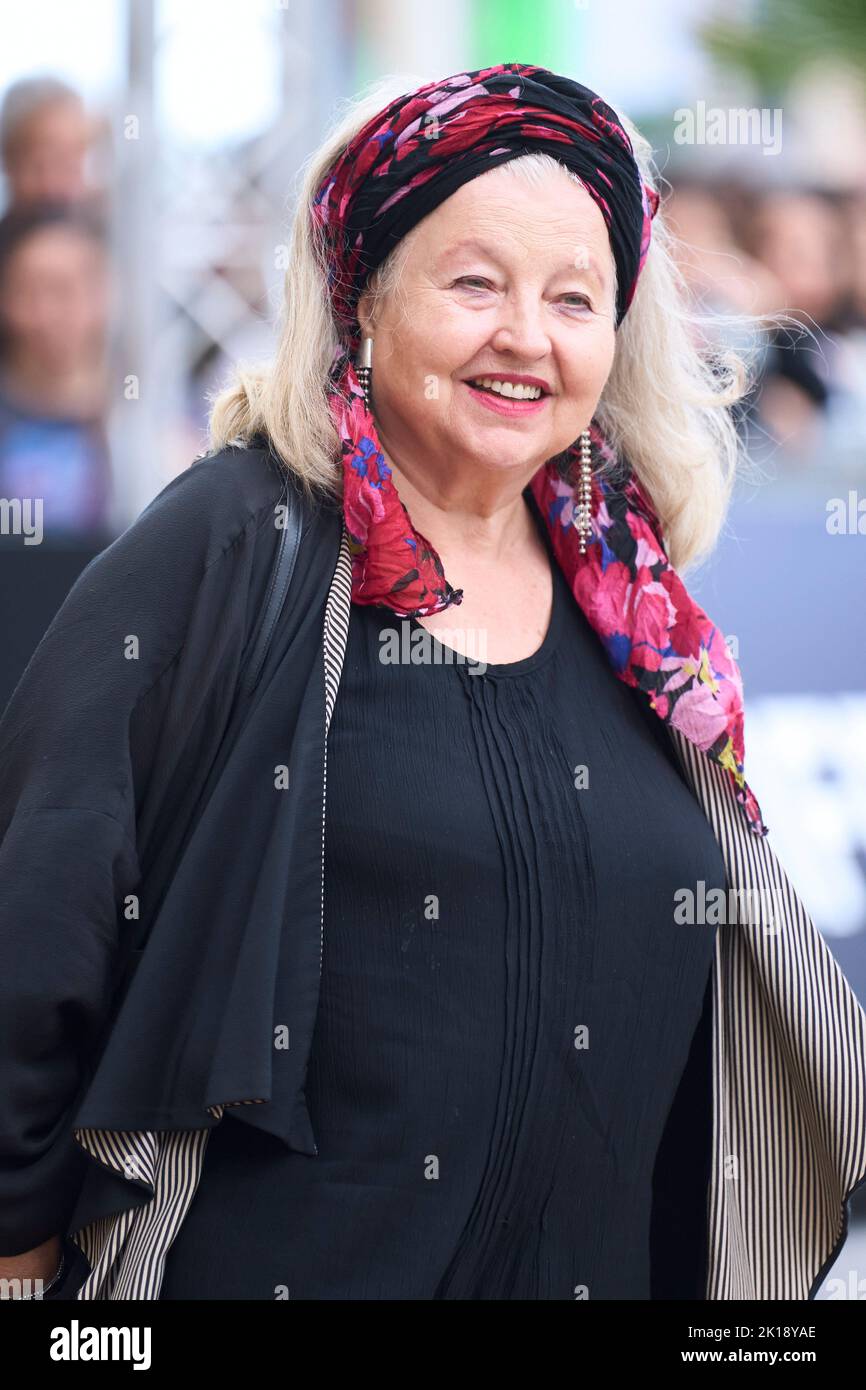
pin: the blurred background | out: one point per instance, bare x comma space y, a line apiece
149, 150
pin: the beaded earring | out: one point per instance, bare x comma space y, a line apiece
583, 510
364, 367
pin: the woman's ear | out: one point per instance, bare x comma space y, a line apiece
364, 317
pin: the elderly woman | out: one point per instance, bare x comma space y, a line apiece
515, 1002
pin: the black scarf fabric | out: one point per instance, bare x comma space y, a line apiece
420, 148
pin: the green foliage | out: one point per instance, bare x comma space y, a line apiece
787, 37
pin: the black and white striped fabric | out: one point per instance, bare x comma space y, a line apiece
789, 1078
789, 1073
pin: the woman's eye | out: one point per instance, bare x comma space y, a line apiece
579, 301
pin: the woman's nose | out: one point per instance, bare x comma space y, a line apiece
521, 329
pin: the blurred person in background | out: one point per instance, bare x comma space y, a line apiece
846, 425
54, 304
726, 281
855, 212
45, 136
720, 274
799, 237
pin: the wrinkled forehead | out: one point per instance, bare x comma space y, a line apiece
548, 227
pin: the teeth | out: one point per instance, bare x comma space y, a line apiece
507, 388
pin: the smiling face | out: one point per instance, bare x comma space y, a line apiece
503, 279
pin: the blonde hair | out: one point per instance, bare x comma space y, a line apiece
665, 408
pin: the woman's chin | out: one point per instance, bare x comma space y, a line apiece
495, 454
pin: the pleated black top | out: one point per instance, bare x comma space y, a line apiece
509, 1080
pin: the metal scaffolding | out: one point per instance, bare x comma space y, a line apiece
195, 234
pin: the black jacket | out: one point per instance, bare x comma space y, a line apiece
144, 799
128, 764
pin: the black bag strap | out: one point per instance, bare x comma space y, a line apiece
281, 577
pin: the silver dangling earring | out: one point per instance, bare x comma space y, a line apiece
364, 367
583, 511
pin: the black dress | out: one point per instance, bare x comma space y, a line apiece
498, 1080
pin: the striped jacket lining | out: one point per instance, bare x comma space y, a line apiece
789, 1078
